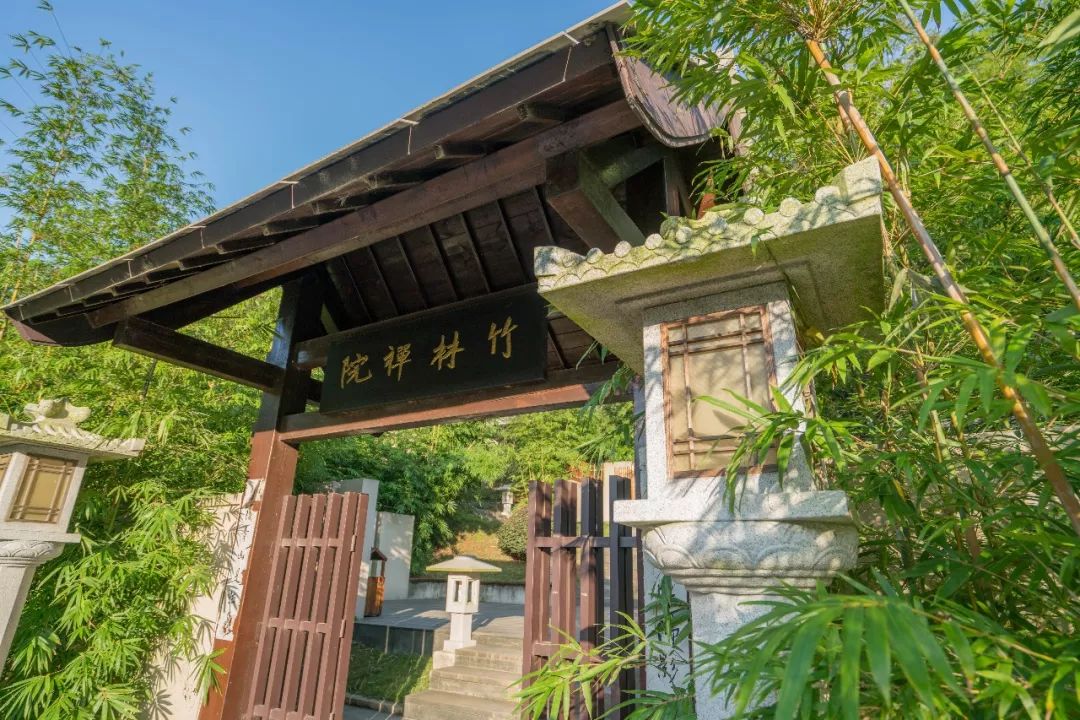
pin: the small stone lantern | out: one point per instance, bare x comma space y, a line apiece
707, 308
462, 602
507, 498
41, 469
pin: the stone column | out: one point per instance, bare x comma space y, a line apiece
707, 309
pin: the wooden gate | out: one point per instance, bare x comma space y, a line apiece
306, 633
568, 559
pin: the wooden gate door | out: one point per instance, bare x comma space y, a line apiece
574, 572
306, 634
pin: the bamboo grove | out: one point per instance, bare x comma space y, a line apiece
950, 419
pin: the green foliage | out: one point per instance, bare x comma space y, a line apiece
573, 672
92, 173
964, 603
442, 475
386, 676
514, 533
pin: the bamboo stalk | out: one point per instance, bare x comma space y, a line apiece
999, 162
1039, 447
1066, 224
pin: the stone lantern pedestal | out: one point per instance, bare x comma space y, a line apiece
462, 602
709, 309
42, 462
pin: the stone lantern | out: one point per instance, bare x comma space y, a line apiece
41, 468
708, 308
506, 497
462, 602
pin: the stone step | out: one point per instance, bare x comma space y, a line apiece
440, 705
502, 659
484, 639
475, 682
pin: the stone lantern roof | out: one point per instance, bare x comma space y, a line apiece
826, 250
464, 565
54, 424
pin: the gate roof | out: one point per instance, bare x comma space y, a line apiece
442, 205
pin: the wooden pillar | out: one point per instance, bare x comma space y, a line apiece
271, 472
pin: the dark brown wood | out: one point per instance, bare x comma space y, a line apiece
486, 179
566, 389
306, 628
537, 577
271, 471
471, 106
461, 151
566, 543
540, 114
576, 191
156, 341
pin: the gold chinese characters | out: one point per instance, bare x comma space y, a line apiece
446, 353
352, 368
504, 333
396, 359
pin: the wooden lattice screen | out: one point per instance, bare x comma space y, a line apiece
569, 557
306, 634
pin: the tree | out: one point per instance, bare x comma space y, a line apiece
964, 604
91, 172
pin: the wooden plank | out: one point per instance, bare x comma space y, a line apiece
576, 191
563, 389
317, 696
427, 260
390, 216
156, 341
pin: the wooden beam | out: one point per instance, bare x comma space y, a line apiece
157, 341
576, 191
562, 389
629, 164
540, 114
461, 151
483, 180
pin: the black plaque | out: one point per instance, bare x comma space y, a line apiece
488, 342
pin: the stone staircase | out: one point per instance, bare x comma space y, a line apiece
478, 686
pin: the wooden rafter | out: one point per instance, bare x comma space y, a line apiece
488, 178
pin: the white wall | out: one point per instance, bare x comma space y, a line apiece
369, 487
394, 538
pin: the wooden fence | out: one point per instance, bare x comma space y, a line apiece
577, 577
305, 636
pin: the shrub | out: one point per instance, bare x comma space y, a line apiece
513, 535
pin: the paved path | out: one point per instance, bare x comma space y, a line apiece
430, 615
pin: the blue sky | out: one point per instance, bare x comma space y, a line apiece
269, 86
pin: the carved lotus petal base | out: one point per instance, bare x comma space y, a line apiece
748, 557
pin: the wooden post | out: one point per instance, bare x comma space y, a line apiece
537, 574
271, 471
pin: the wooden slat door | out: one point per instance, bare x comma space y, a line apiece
568, 558
305, 636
